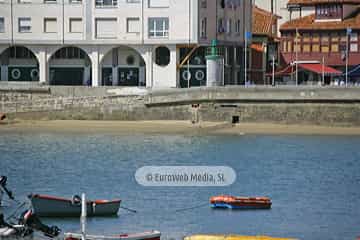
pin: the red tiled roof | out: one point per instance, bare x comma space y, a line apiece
314, 2
262, 21
308, 23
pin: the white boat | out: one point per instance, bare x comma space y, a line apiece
152, 235
149, 235
51, 206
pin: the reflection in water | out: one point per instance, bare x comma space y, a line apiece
313, 181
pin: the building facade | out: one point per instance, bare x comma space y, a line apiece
329, 36
149, 43
280, 8
264, 47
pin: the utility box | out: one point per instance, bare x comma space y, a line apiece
214, 66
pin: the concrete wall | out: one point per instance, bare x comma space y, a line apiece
329, 107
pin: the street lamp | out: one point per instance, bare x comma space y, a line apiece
348, 32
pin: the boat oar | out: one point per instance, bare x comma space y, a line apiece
128, 209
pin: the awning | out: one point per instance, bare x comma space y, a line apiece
319, 68
283, 72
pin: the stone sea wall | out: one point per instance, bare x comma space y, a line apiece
328, 107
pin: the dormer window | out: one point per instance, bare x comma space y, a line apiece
328, 11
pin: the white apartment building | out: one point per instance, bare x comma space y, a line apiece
147, 43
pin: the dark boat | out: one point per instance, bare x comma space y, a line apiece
232, 202
50, 206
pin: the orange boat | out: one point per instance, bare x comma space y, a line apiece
225, 201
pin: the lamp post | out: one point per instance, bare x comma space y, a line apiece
348, 32
323, 71
273, 70
296, 57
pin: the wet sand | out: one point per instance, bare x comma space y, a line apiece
171, 127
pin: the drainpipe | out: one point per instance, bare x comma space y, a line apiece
188, 61
12, 22
63, 22
142, 22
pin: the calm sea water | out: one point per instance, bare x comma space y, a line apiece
314, 182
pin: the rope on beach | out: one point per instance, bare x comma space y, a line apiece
191, 208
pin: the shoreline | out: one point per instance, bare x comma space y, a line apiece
173, 127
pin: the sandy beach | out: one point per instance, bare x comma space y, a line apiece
171, 127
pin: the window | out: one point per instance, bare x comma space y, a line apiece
106, 28
130, 60
159, 3
49, 1
334, 37
69, 53
21, 53
289, 46
284, 47
354, 37
306, 48
306, 37
203, 4
354, 47
316, 48
325, 49
334, 47
2, 25
24, 1
132, 1
162, 56
106, 3
50, 25
24, 25
220, 25
297, 47
237, 26
133, 25
75, 1
316, 38
75, 25
158, 27
229, 26
203, 33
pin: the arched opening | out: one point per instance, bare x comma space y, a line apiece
19, 64
123, 66
70, 66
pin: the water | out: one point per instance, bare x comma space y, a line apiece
314, 181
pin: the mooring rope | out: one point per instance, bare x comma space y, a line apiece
191, 208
